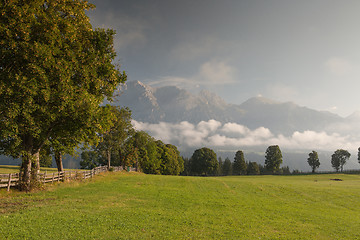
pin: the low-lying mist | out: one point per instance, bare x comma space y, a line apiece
229, 137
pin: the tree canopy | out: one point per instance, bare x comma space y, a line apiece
339, 158
55, 72
239, 166
227, 168
204, 162
113, 140
253, 168
273, 158
313, 160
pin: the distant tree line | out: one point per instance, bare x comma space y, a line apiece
204, 162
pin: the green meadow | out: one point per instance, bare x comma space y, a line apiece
5, 169
138, 206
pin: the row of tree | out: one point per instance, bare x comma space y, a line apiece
121, 145
338, 159
204, 162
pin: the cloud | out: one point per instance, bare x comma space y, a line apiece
212, 133
216, 73
210, 73
339, 66
130, 31
205, 46
281, 92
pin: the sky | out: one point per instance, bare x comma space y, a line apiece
307, 52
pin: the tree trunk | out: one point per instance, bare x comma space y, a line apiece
58, 160
108, 153
25, 172
29, 170
36, 165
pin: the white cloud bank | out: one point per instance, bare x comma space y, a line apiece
212, 133
211, 73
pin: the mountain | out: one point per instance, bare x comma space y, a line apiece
285, 117
172, 104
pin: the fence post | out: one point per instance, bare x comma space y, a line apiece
44, 181
52, 181
9, 182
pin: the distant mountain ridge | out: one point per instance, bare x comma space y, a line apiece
172, 104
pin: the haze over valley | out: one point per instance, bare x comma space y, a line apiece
241, 74
190, 121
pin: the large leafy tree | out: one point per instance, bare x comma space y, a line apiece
204, 162
142, 150
45, 158
137, 147
171, 161
339, 158
55, 70
273, 158
239, 165
112, 141
313, 160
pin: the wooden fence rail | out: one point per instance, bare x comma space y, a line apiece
12, 179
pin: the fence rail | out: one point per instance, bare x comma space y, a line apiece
12, 179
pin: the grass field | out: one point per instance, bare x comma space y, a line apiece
14, 169
137, 206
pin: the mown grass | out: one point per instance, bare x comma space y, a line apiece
138, 206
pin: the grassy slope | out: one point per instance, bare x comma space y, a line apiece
133, 206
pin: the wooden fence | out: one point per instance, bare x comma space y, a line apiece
12, 179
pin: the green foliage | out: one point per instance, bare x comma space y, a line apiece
253, 168
151, 156
204, 162
45, 158
142, 151
113, 140
313, 160
339, 158
285, 170
55, 71
239, 165
221, 164
187, 167
171, 162
227, 167
89, 159
358, 155
152, 164
273, 158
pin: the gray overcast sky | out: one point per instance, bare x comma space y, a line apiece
304, 51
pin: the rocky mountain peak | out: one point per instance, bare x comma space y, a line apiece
173, 104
